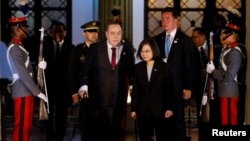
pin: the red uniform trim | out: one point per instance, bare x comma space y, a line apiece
233, 26
229, 111
14, 20
23, 113
233, 44
16, 41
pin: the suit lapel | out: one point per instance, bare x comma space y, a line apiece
104, 55
144, 73
154, 71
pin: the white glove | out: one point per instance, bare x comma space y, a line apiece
210, 67
43, 97
204, 100
83, 94
42, 65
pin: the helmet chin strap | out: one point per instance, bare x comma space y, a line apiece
228, 35
26, 33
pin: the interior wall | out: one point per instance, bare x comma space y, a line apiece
138, 23
0, 21
82, 11
247, 110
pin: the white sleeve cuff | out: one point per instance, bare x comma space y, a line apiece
83, 88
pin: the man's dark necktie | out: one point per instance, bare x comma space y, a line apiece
203, 56
58, 53
113, 59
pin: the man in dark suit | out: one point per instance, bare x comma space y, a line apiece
103, 82
177, 51
201, 48
57, 54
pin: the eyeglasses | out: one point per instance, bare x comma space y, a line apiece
146, 51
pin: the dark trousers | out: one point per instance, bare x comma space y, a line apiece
179, 124
104, 124
84, 119
58, 107
148, 122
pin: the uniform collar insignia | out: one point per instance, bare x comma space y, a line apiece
16, 41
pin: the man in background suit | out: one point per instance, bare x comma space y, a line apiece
57, 54
179, 55
103, 82
201, 48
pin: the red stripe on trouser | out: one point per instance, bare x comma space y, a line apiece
229, 111
23, 112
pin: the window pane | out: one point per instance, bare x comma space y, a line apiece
228, 3
154, 20
189, 17
54, 3
15, 3
193, 4
48, 16
160, 3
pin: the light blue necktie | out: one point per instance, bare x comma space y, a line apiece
167, 45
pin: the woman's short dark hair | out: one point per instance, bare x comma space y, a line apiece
153, 45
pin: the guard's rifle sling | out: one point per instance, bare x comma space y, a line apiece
43, 112
209, 86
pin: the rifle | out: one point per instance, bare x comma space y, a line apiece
43, 112
208, 87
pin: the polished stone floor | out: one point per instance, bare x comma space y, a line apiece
37, 133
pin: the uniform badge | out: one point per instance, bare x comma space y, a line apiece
82, 58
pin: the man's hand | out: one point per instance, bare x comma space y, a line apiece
210, 67
133, 115
75, 98
83, 94
168, 113
43, 97
42, 65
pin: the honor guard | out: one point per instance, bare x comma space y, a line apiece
227, 73
23, 87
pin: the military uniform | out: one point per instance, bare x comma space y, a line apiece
78, 56
226, 74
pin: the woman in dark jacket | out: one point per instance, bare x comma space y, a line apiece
152, 97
